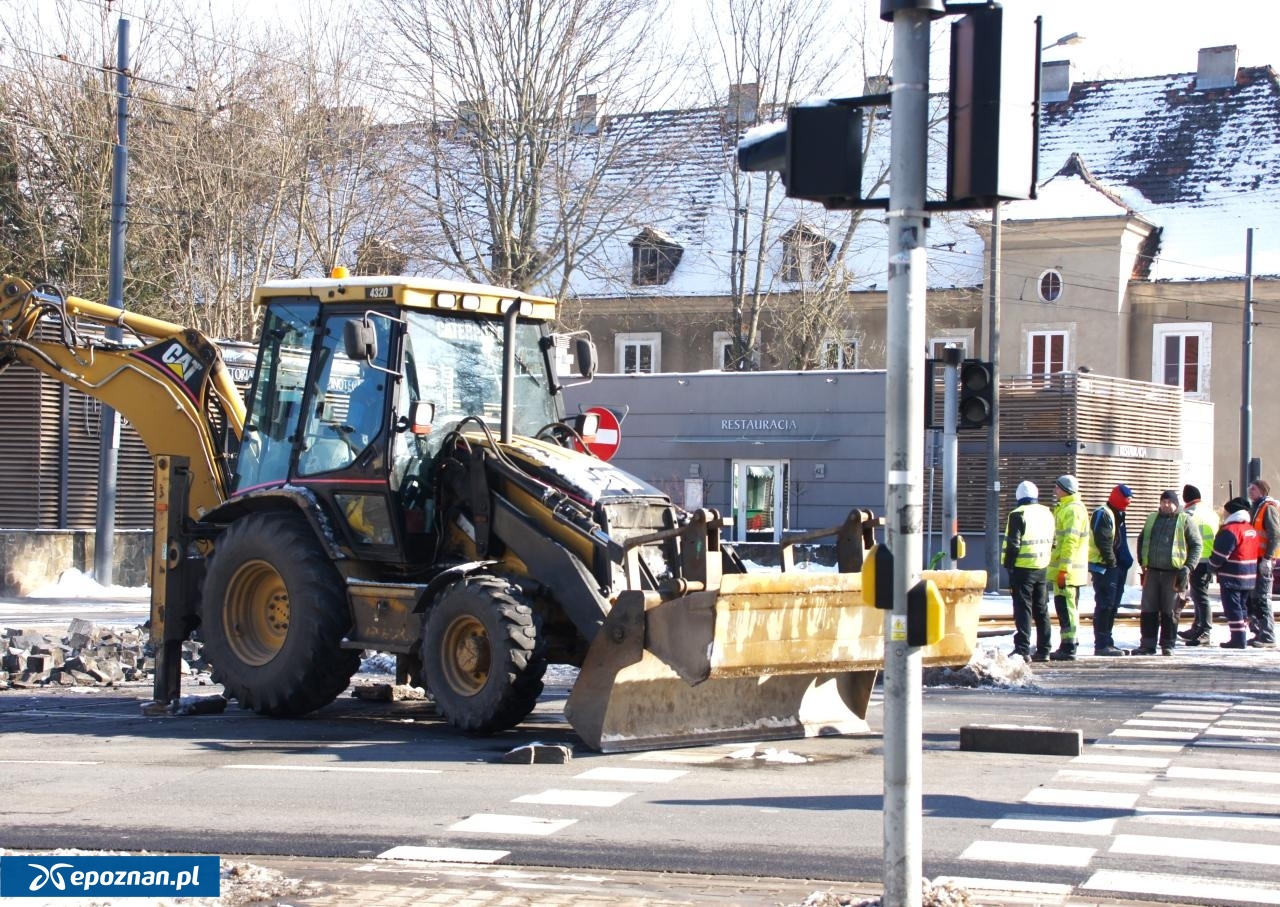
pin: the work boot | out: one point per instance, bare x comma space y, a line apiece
1066, 652
1166, 651
1040, 655
1109, 651
1024, 654
1202, 639
1150, 624
1235, 642
1257, 643
1190, 633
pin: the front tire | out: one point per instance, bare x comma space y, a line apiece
273, 617
482, 655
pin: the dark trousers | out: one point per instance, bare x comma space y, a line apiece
1200, 579
1030, 604
1108, 586
1161, 598
1261, 619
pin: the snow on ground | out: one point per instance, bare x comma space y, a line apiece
74, 584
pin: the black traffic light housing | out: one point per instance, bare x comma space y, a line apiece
977, 393
818, 154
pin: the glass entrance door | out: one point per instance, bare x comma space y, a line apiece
759, 500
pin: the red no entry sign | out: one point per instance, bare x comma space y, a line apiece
604, 443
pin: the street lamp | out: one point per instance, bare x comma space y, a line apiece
992, 535
1074, 38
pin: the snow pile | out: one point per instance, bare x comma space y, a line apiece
74, 584
988, 667
947, 894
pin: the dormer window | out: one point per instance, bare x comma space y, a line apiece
654, 257
806, 254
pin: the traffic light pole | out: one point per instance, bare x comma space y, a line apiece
951, 358
904, 442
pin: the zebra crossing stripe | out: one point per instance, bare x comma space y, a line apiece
1197, 849
1185, 889
639, 775
442, 854
1240, 776
1037, 854
1057, 825
1103, 777
1084, 798
1154, 734
1134, 761
556, 797
494, 824
1207, 819
1165, 723
1219, 796
1005, 886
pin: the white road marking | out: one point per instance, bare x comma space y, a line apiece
1100, 777
1135, 761
1239, 722
1152, 722
1008, 885
49, 762
556, 797
1197, 849
1182, 715
1223, 774
1254, 707
443, 854
494, 824
1171, 748
372, 770
1185, 889
1153, 734
1092, 798
1202, 704
1219, 731
639, 775
1058, 825
1039, 854
680, 756
1207, 819
1223, 796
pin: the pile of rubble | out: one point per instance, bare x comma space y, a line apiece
87, 655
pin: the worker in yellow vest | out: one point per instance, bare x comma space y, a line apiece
1028, 538
1069, 562
1168, 550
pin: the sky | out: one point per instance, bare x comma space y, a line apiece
1124, 38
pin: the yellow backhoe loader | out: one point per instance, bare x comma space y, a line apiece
402, 478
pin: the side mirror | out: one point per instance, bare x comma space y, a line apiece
585, 353
421, 417
360, 340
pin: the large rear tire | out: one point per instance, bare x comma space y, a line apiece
273, 617
482, 655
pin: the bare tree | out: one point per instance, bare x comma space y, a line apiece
520, 166
786, 266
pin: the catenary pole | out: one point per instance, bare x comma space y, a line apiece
109, 437
904, 441
1246, 367
992, 529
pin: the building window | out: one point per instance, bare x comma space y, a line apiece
1050, 285
654, 257
1180, 357
838, 352
722, 352
1048, 352
638, 354
806, 254
938, 344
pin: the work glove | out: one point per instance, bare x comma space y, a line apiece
1062, 579
1182, 580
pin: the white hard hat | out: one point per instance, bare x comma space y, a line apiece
1027, 490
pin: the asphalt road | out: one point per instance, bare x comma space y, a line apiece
358, 779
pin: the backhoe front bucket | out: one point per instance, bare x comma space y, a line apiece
766, 656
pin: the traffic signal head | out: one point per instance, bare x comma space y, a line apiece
818, 153
977, 393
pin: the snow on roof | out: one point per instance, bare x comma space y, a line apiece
1201, 165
